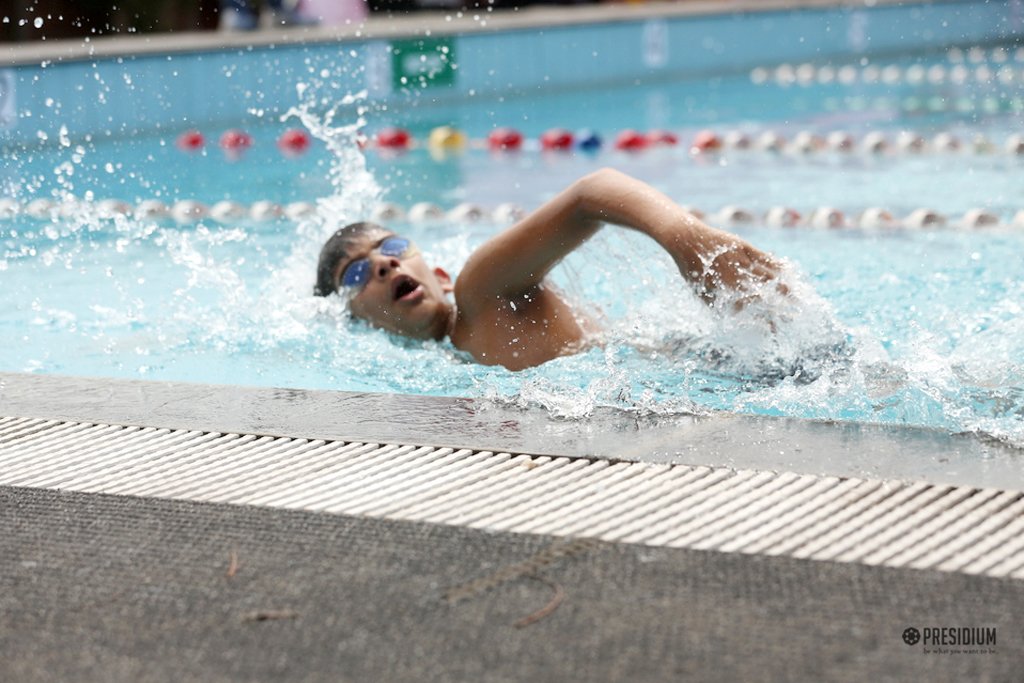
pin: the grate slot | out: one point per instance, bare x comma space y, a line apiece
809, 509
753, 520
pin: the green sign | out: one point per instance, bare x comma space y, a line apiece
422, 62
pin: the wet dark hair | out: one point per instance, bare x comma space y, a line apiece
337, 248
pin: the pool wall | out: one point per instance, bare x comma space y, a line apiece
120, 87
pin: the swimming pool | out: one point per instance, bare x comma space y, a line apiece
904, 326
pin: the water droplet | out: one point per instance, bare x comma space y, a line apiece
38, 23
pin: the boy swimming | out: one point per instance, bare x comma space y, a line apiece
504, 313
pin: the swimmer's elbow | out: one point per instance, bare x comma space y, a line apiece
594, 183
592, 193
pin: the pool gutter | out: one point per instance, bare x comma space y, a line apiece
819, 448
719, 483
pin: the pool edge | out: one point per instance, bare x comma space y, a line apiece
821, 448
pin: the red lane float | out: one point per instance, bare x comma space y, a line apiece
235, 141
394, 138
293, 142
663, 138
705, 141
556, 138
505, 139
630, 141
190, 141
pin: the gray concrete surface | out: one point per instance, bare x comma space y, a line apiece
102, 588
723, 440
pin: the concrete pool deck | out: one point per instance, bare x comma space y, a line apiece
116, 588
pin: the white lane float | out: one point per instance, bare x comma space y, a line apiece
112, 208
840, 141
982, 145
298, 210
807, 142
979, 218
877, 218
189, 211
264, 210
782, 217
508, 213
909, 141
9, 208
41, 208
924, 218
467, 212
1018, 220
737, 139
151, 209
770, 141
827, 218
425, 212
733, 216
386, 212
227, 211
875, 142
1014, 145
946, 142
936, 74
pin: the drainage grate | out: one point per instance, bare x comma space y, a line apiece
891, 523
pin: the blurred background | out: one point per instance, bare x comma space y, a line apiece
28, 20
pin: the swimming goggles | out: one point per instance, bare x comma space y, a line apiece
357, 273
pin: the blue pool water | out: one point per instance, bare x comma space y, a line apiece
905, 327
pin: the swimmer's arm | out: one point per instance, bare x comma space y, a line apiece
709, 259
518, 259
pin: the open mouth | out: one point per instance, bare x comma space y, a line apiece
403, 286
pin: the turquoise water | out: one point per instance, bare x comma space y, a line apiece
904, 327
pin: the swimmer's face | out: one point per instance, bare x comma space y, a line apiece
395, 289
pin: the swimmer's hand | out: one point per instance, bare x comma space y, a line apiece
719, 262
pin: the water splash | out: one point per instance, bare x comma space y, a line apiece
356, 191
288, 309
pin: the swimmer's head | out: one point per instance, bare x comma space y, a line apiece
336, 250
386, 281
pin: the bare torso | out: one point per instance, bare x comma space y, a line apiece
518, 332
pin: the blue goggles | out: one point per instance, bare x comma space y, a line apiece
357, 273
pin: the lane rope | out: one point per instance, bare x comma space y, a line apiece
189, 211
445, 142
971, 65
